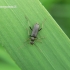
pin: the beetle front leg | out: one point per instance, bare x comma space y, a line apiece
30, 27
40, 29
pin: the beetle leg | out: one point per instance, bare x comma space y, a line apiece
20, 47
30, 27
41, 38
39, 29
38, 40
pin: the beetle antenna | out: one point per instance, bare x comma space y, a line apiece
43, 22
28, 31
27, 20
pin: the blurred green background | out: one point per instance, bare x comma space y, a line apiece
60, 11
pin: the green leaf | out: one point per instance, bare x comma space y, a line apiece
54, 51
6, 63
61, 14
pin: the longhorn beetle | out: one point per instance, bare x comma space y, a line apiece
34, 33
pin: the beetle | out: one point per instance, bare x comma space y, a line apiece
34, 30
34, 33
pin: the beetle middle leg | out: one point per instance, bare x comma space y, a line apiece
39, 39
